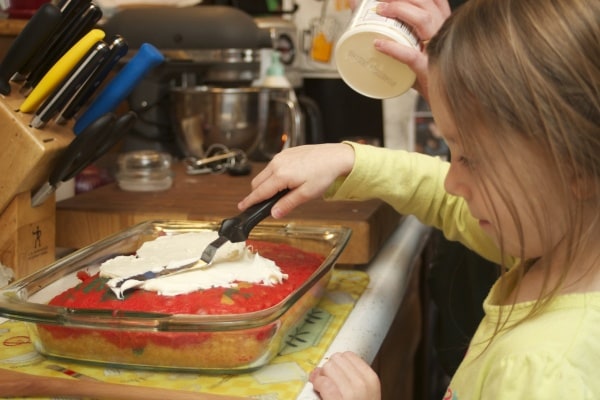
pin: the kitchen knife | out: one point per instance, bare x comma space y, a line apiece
69, 15
236, 229
60, 70
81, 152
123, 125
68, 6
67, 89
78, 25
121, 85
118, 49
42, 24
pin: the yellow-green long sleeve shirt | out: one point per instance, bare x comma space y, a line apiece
554, 355
413, 183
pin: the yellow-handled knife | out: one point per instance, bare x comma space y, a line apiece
60, 70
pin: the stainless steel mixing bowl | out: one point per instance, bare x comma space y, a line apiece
259, 121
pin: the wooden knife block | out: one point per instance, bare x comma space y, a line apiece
27, 155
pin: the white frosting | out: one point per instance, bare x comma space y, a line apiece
233, 262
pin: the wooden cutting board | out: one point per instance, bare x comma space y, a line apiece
91, 216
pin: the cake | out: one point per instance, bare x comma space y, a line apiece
269, 274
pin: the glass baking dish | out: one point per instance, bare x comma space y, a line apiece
203, 343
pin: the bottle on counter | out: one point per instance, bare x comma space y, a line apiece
281, 92
275, 75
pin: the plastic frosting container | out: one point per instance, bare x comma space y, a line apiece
365, 69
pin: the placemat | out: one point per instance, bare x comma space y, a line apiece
282, 379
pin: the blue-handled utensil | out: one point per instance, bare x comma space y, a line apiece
121, 85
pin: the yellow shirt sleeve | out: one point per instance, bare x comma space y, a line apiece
413, 183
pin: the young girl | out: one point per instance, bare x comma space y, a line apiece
514, 86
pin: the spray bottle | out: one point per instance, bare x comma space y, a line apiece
275, 76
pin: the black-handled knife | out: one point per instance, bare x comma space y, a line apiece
70, 85
69, 6
77, 30
122, 126
70, 12
29, 41
238, 228
117, 49
80, 153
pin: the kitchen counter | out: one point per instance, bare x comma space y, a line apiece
12, 27
91, 216
368, 324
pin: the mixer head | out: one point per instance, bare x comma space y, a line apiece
203, 45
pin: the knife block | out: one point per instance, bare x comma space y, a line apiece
27, 155
27, 235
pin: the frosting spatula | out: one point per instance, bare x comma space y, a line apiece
235, 229
238, 228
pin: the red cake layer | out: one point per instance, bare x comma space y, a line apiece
238, 349
93, 292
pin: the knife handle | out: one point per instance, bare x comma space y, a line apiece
68, 6
81, 151
121, 85
118, 49
41, 25
237, 229
75, 157
60, 70
51, 43
69, 86
75, 31
121, 127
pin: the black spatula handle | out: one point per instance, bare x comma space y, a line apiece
238, 228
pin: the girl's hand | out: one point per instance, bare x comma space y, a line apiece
306, 170
425, 17
346, 376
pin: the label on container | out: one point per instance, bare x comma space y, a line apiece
367, 15
365, 69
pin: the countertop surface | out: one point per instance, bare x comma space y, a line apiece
12, 27
369, 322
91, 216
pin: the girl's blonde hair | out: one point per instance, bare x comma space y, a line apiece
528, 72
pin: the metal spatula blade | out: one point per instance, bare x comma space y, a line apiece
121, 285
146, 276
209, 252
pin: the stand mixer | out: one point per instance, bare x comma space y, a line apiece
205, 46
